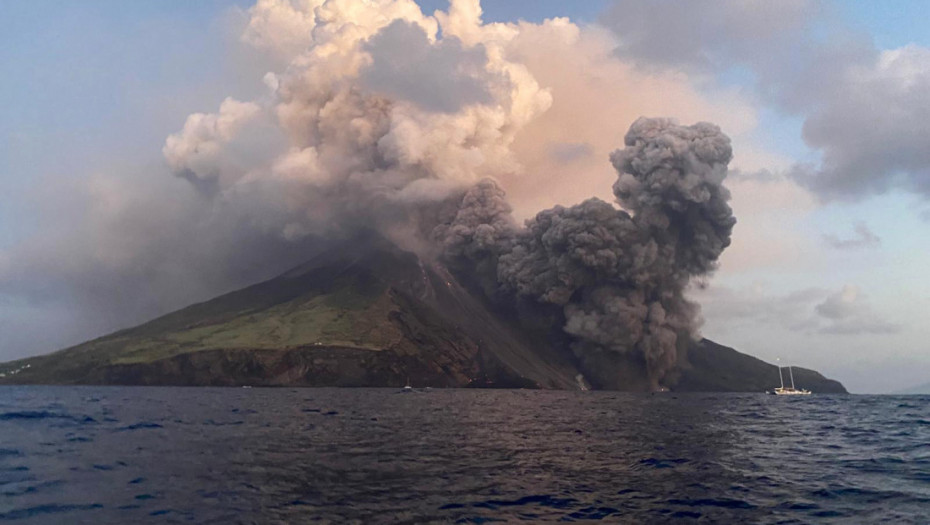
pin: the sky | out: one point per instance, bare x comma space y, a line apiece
826, 104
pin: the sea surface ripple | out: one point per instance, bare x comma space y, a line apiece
213, 455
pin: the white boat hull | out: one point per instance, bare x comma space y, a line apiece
791, 392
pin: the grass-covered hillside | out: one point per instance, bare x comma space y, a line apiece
370, 315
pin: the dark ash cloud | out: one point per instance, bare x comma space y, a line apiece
618, 276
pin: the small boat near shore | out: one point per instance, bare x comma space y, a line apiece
788, 391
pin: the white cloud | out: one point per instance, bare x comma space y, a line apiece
711, 35
811, 311
201, 150
864, 238
872, 128
865, 110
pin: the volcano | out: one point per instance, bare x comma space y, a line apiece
367, 313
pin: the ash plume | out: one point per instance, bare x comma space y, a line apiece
482, 226
618, 277
374, 142
379, 117
671, 178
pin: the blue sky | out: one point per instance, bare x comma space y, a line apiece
96, 87
892, 24
96, 82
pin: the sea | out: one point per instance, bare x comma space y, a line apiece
264, 455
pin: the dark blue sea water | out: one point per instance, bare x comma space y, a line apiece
180, 455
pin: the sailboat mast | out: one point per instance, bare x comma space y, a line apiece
780, 378
790, 373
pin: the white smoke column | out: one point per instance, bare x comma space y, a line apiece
376, 115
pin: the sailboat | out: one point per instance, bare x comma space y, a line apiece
790, 391
407, 388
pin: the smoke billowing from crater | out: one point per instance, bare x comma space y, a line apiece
383, 122
619, 278
378, 116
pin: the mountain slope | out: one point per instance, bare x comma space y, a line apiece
366, 313
712, 367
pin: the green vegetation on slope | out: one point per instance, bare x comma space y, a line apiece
345, 309
341, 319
